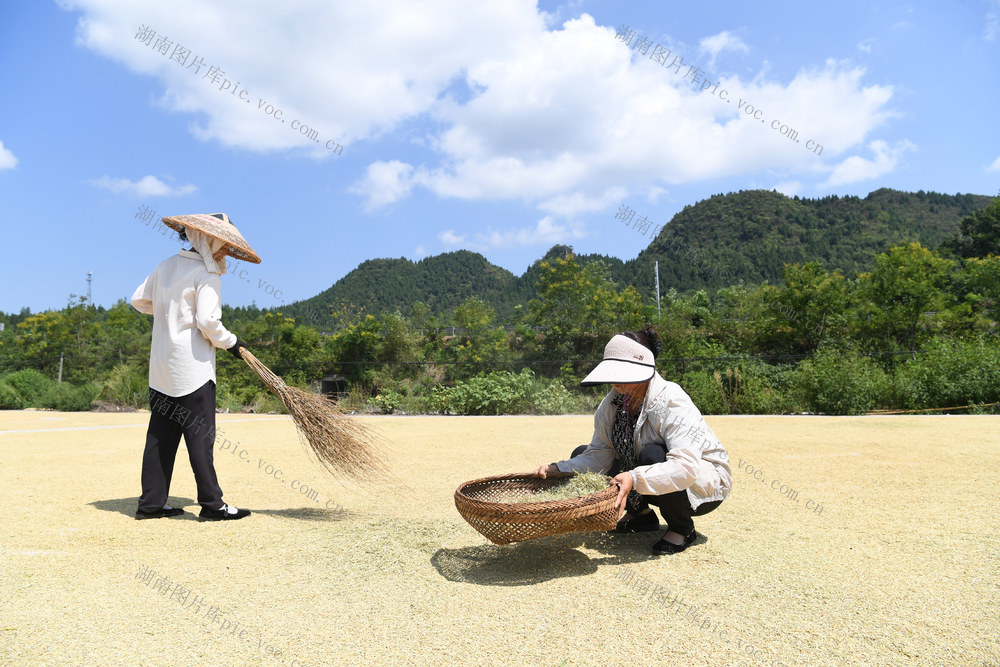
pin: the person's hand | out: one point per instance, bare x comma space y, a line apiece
545, 471
235, 349
624, 482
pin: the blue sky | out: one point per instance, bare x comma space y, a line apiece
500, 126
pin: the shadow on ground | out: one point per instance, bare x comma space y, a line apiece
535, 561
127, 507
310, 514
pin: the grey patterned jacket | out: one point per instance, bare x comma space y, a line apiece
696, 460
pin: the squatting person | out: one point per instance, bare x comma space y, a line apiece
653, 440
183, 294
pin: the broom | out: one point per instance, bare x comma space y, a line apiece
341, 444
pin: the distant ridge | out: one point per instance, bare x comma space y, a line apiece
748, 235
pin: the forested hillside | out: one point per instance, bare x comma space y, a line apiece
441, 283
751, 235
746, 236
916, 330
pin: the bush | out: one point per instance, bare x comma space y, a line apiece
551, 397
29, 385
9, 400
388, 401
840, 382
704, 392
127, 386
506, 393
495, 393
67, 398
751, 388
950, 373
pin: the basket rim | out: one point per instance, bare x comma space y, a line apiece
524, 511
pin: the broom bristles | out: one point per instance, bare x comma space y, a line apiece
341, 444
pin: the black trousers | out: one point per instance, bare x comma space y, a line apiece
675, 507
192, 416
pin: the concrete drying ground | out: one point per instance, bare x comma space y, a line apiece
869, 540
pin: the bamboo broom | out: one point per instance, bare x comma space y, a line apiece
342, 445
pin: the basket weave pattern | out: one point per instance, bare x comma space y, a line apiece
485, 504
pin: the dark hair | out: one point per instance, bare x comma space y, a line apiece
648, 338
183, 235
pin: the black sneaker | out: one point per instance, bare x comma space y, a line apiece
663, 547
640, 523
222, 514
159, 514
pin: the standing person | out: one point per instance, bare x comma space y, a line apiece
183, 294
651, 438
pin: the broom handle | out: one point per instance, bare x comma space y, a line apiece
262, 371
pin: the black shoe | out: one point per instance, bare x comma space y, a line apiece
222, 514
640, 523
159, 514
663, 547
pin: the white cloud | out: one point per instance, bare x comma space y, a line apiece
419, 252
789, 188
856, 168
654, 193
716, 44
7, 159
348, 70
576, 202
993, 21
865, 46
565, 120
384, 183
544, 233
147, 186
451, 239
995, 166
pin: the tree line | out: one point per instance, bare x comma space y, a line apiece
918, 331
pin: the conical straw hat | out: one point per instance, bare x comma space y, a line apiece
218, 226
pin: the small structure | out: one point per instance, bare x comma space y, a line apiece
334, 386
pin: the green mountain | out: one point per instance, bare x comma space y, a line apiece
441, 282
751, 235
748, 235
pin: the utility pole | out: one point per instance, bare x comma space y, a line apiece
656, 266
90, 300
60, 367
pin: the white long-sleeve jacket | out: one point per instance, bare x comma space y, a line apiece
186, 304
696, 460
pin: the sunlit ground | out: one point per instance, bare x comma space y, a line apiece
870, 540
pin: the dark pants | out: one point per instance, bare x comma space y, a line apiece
192, 416
675, 507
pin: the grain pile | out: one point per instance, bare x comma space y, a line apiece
580, 484
898, 568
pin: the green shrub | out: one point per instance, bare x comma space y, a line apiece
388, 401
67, 398
496, 393
704, 392
9, 400
127, 386
763, 389
950, 373
29, 385
551, 397
840, 382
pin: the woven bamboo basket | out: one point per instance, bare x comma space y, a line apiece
485, 504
